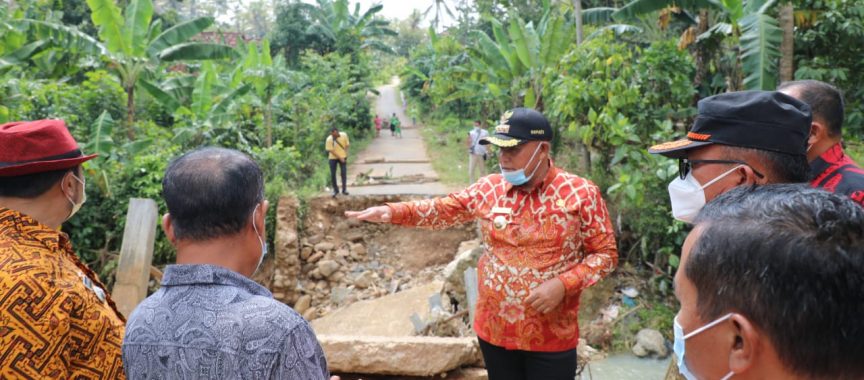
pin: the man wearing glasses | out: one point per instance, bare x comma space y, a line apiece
738, 138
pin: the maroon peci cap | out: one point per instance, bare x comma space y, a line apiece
28, 147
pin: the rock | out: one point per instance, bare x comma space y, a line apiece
343, 253
315, 274
454, 273
354, 236
328, 267
315, 239
306, 252
364, 280
650, 342
310, 314
358, 250
354, 222
317, 256
385, 316
321, 286
336, 277
586, 353
405, 356
470, 373
303, 304
325, 246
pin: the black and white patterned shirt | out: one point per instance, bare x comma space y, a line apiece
207, 322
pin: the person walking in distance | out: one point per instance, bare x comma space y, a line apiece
377, 126
396, 125
337, 147
476, 152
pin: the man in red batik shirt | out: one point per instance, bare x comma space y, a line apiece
831, 168
547, 236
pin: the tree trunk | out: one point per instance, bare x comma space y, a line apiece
577, 10
701, 56
268, 123
787, 47
130, 112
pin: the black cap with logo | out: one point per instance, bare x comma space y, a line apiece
764, 120
518, 126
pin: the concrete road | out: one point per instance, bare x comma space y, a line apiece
394, 152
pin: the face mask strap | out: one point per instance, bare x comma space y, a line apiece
532, 159
708, 326
721, 176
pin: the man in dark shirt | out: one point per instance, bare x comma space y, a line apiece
831, 168
209, 320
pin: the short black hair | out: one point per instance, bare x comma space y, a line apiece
826, 102
781, 167
791, 259
31, 186
211, 192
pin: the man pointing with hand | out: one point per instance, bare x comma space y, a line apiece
547, 236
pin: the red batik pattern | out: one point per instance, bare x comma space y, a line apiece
836, 172
53, 324
561, 229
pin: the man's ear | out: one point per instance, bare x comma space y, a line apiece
168, 227
818, 132
748, 176
746, 346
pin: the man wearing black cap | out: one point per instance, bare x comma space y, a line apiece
831, 168
738, 138
547, 236
57, 320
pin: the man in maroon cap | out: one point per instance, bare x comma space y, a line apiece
57, 320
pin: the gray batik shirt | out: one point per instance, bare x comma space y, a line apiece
207, 322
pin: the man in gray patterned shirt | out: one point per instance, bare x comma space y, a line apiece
209, 320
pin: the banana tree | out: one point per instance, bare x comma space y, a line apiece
204, 113
136, 44
269, 79
755, 32
349, 31
518, 58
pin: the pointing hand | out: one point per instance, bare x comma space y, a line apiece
378, 214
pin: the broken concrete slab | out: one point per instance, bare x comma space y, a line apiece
387, 316
406, 356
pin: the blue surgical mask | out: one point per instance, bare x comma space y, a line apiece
679, 346
518, 177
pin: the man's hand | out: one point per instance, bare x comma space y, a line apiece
547, 296
378, 214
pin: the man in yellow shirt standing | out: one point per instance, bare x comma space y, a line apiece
337, 145
57, 320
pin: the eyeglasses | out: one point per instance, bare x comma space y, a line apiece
686, 165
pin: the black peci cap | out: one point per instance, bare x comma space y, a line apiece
518, 126
764, 120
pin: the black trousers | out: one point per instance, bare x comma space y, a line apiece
504, 364
341, 164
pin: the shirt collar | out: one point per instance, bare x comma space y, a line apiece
31, 228
205, 274
831, 157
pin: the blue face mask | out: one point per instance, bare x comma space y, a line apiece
518, 177
679, 346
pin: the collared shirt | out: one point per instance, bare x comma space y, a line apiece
208, 322
475, 135
338, 150
560, 229
56, 319
834, 171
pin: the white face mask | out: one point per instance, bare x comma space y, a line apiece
688, 196
261, 240
77, 206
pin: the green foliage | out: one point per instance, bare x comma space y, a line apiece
822, 27
612, 100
